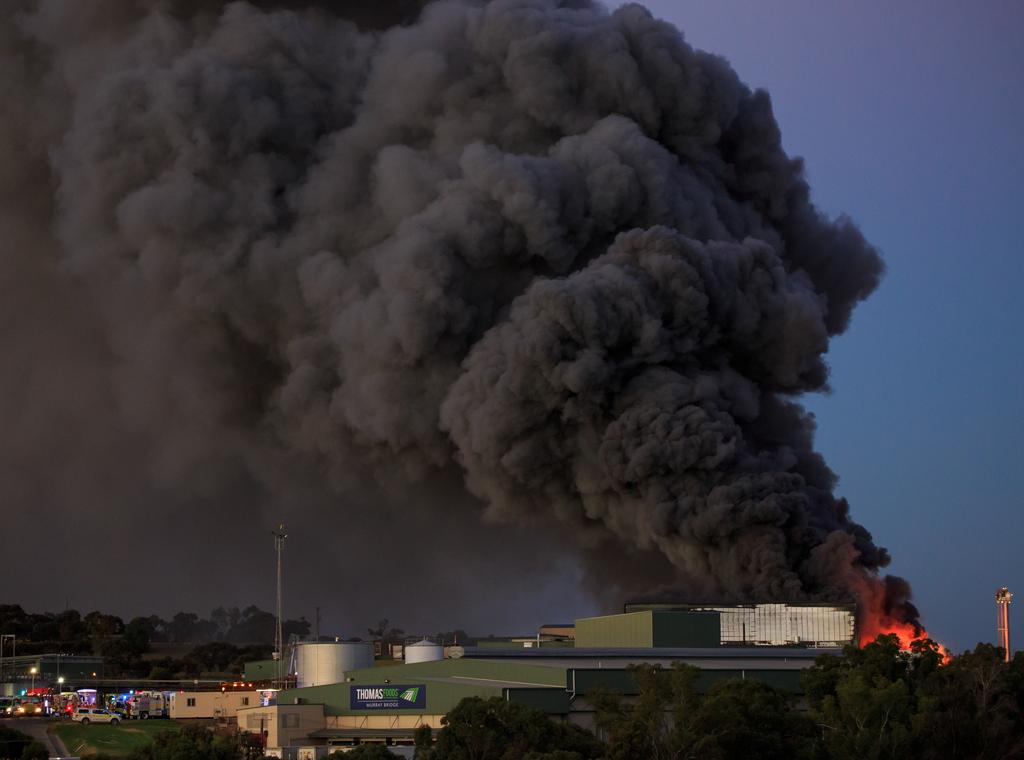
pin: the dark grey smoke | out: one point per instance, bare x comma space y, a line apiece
548, 249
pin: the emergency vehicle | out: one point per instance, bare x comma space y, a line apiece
148, 704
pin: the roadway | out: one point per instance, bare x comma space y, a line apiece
37, 728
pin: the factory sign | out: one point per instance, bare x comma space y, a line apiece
388, 697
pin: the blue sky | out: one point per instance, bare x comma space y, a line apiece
910, 117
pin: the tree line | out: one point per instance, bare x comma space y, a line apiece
248, 625
224, 641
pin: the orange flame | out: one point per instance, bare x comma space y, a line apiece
907, 633
885, 607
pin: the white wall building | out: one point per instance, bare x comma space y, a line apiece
223, 705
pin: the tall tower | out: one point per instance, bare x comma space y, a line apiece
279, 537
1003, 597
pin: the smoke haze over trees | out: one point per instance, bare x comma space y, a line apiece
527, 261
224, 642
250, 625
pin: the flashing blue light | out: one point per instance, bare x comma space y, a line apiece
23, 692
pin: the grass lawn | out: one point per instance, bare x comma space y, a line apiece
116, 740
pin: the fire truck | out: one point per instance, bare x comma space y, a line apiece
148, 704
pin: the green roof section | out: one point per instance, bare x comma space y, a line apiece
446, 682
511, 671
648, 629
550, 688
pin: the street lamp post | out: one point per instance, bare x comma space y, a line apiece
60, 697
33, 670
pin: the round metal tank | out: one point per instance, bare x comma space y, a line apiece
326, 663
423, 651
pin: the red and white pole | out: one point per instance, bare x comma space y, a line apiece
1003, 597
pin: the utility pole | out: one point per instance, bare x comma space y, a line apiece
14, 652
316, 627
279, 537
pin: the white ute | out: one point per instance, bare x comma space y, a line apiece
87, 715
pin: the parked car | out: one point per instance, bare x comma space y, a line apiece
87, 715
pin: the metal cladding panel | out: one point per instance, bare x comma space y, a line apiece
686, 629
551, 701
629, 631
622, 681
783, 680
616, 681
707, 679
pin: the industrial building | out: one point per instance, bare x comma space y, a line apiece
27, 671
338, 705
387, 704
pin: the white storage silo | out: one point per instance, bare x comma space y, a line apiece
325, 663
423, 651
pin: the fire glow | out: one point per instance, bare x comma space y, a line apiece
906, 633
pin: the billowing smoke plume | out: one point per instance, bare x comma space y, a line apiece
548, 248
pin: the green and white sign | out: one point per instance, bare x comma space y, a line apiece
388, 697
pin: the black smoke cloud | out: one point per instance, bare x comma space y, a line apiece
383, 272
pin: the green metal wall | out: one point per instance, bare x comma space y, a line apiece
635, 630
686, 629
260, 670
551, 701
649, 628
622, 682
